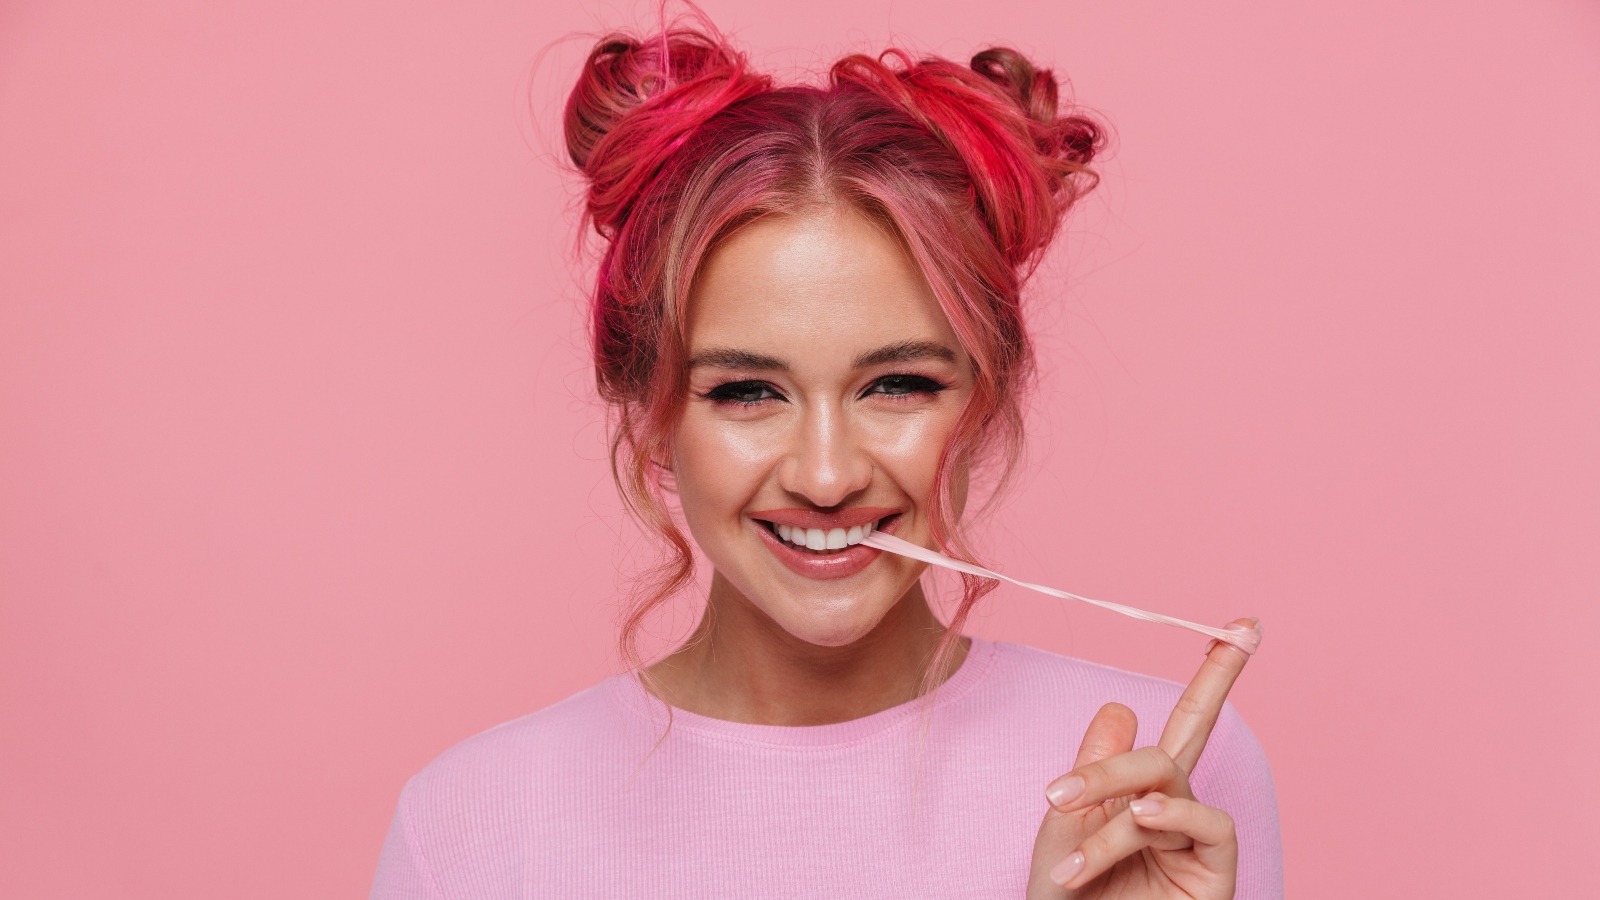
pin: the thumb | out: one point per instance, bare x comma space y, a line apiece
1110, 732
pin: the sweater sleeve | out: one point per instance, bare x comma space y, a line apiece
1233, 776
403, 872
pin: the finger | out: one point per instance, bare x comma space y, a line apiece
1180, 822
1167, 823
1110, 732
1116, 839
1196, 713
1135, 772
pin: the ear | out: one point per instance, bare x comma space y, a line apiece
665, 478
961, 483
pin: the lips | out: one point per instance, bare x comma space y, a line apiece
825, 530
811, 518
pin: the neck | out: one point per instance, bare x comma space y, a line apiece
742, 666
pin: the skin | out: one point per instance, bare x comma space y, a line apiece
1124, 823
814, 294
825, 379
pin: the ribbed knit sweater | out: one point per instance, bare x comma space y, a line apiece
580, 801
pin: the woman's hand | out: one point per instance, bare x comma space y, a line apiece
1123, 823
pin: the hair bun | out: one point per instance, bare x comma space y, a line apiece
1028, 164
1074, 139
637, 101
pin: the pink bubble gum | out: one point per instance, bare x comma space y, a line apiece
1246, 639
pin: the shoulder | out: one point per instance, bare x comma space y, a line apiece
1038, 682
467, 821
1040, 672
538, 748
1062, 694
1044, 699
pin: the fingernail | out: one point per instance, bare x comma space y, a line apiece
1067, 868
1064, 791
1254, 621
1146, 807
1235, 626
1210, 646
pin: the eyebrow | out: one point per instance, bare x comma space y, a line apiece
727, 358
904, 351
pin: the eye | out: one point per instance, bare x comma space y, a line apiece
904, 386
744, 393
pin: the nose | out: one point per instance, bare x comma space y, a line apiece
827, 462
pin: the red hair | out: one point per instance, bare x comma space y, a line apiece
971, 167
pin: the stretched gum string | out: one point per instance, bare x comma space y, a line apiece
1248, 640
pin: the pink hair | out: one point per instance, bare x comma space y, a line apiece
971, 167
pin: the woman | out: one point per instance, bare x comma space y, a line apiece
807, 323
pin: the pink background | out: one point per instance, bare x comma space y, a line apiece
301, 480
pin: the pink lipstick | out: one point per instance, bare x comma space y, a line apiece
824, 545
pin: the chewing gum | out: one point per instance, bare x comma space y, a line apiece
1246, 639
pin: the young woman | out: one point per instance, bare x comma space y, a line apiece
807, 322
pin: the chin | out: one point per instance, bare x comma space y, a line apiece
832, 637
838, 627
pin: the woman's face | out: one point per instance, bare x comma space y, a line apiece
824, 382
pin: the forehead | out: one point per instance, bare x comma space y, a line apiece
796, 286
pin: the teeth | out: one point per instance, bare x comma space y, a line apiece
824, 539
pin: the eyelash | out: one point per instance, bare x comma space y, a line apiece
913, 384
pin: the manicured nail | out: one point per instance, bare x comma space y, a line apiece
1147, 807
1064, 791
1067, 868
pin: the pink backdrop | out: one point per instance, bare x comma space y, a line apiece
301, 481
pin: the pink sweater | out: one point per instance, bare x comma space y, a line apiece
570, 802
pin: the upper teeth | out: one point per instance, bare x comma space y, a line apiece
817, 539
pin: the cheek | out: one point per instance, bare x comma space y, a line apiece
909, 450
717, 465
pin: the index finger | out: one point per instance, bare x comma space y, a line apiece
1192, 719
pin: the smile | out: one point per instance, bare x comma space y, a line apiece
818, 539
823, 545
